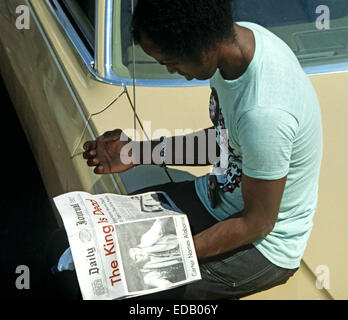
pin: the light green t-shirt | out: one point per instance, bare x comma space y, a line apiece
273, 119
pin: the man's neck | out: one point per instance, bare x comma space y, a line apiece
236, 55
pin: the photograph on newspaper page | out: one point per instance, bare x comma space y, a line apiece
125, 246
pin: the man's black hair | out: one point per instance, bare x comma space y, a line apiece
183, 28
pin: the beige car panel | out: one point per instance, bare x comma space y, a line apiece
328, 244
100, 39
56, 102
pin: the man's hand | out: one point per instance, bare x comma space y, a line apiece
109, 153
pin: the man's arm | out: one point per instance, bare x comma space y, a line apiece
195, 149
261, 206
114, 152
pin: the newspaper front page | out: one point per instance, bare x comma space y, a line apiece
126, 246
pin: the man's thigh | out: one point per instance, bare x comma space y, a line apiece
236, 274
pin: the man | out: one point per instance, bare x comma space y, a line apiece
251, 218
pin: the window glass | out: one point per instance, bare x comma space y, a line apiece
81, 14
88, 7
145, 66
316, 30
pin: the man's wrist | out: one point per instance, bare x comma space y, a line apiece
147, 152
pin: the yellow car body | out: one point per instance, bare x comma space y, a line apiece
64, 97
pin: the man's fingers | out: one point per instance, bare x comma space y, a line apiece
106, 137
103, 152
89, 154
92, 162
89, 145
114, 133
99, 169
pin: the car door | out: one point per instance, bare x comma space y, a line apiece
58, 74
48, 70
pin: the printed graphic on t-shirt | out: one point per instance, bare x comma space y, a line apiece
228, 174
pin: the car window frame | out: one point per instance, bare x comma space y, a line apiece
78, 25
309, 70
79, 44
100, 65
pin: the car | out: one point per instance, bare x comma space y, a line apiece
73, 72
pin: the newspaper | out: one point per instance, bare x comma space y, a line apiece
126, 246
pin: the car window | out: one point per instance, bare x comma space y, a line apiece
81, 14
316, 30
145, 66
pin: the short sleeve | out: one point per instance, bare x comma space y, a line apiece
266, 137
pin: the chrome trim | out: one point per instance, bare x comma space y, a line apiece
80, 47
65, 79
326, 69
94, 68
108, 41
79, 25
